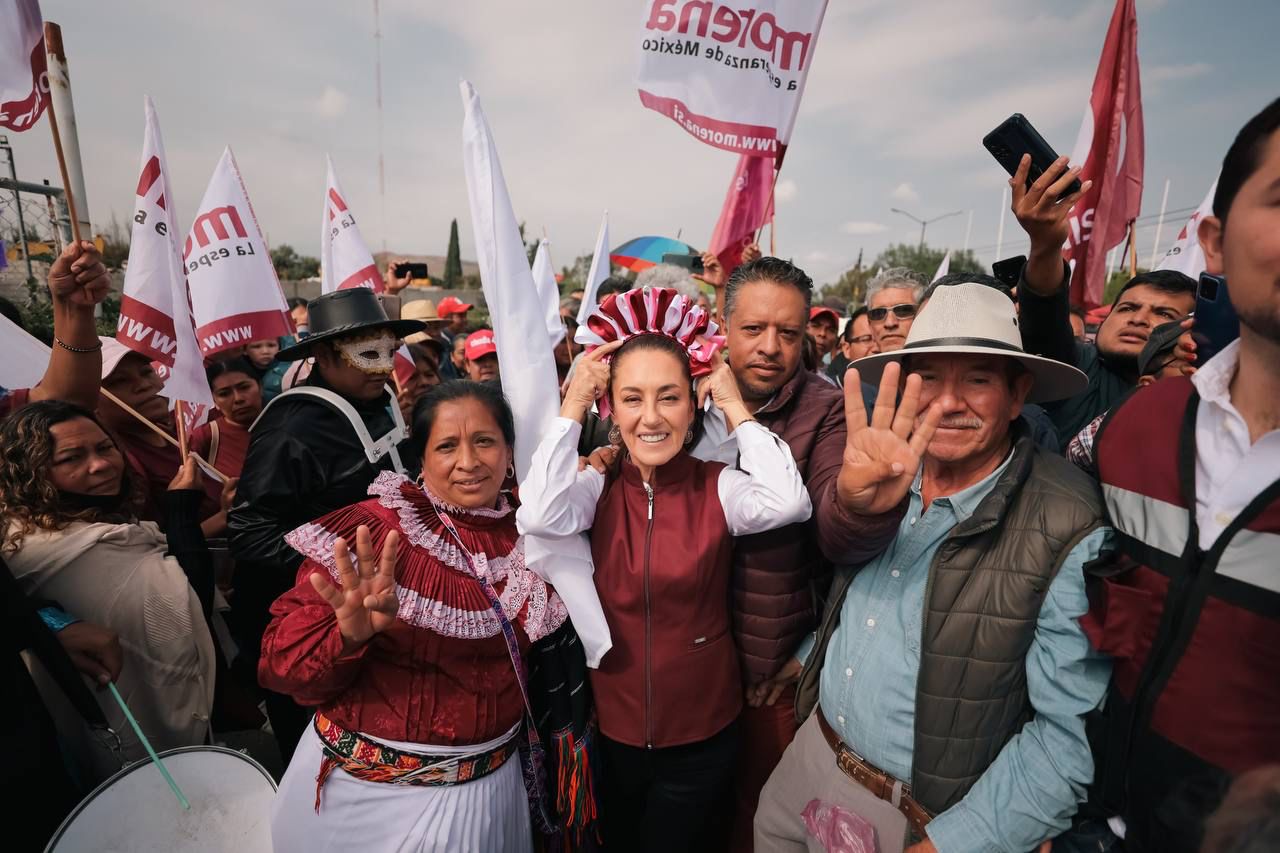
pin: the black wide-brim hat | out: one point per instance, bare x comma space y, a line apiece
342, 314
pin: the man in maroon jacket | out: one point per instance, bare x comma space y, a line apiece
779, 577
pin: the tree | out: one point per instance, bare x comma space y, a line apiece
575, 277
851, 287
290, 266
925, 259
453, 259
115, 244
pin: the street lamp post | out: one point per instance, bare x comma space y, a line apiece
925, 223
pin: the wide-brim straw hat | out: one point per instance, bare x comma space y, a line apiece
974, 319
424, 310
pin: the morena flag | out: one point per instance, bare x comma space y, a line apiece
24, 75
345, 259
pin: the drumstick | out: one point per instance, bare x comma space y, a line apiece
137, 729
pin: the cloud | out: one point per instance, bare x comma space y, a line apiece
905, 192
785, 191
859, 228
331, 104
1171, 73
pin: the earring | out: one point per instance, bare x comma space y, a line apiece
688, 438
511, 470
615, 436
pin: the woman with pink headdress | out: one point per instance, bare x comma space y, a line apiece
661, 526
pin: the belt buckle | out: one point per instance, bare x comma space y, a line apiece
846, 760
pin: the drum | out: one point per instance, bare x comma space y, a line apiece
135, 811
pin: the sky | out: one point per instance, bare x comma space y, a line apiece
899, 97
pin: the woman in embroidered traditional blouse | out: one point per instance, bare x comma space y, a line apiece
404, 657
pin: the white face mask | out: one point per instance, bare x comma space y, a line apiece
374, 354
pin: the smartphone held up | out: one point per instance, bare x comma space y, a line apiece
1016, 137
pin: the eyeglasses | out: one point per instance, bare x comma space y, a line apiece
861, 340
904, 311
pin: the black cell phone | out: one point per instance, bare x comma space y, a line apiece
415, 270
1009, 270
1014, 137
690, 261
1216, 323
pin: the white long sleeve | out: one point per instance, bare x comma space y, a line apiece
556, 499
765, 491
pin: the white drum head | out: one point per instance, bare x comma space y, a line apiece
136, 812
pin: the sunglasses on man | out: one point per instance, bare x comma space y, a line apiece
903, 311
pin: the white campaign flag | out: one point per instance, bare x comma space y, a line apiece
24, 76
235, 295
23, 359
598, 273
345, 260
944, 267
544, 278
155, 311
731, 75
1185, 255
525, 361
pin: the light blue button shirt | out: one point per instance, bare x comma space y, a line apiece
868, 685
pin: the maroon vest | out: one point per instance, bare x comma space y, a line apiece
662, 557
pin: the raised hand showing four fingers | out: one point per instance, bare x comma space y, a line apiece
364, 599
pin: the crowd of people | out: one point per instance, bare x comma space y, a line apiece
931, 574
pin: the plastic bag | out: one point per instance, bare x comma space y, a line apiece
837, 830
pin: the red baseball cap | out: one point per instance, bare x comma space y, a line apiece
479, 344
452, 305
818, 310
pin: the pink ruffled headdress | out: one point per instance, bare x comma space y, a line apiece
653, 311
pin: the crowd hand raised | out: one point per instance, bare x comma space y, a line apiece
94, 650
188, 476
364, 600
1185, 349
712, 271
723, 390
768, 691
601, 459
78, 277
590, 382
881, 458
395, 282
1045, 215
751, 253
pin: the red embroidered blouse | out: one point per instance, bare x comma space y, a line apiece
441, 674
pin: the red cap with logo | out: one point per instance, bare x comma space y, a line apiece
452, 305
819, 310
479, 344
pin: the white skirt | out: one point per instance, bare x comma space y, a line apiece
486, 814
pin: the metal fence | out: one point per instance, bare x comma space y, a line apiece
34, 222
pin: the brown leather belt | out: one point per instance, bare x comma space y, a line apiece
874, 779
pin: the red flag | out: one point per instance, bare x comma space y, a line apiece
747, 207
24, 77
1110, 147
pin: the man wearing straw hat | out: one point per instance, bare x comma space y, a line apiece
946, 691
314, 449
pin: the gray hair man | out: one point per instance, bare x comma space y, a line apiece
946, 690
893, 298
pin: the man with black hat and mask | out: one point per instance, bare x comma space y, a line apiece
314, 449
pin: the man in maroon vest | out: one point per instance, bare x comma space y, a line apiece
778, 577
1190, 470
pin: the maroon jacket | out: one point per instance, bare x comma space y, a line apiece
780, 577
661, 570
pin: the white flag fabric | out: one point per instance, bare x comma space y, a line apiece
598, 273
24, 76
155, 311
944, 267
731, 75
544, 278
23, 359
235, 295
1185, 255
345, 260
526, 363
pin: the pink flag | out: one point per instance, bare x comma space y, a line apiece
155, 308
747, 207
24, 77
235, 295
1110, 147
345, 260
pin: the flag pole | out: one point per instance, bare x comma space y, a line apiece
1155, 246
52, 33
180, 422
769, 207
1133, 251
125, 407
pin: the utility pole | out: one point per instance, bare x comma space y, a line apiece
925, 223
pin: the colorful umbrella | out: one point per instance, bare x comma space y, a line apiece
644, 252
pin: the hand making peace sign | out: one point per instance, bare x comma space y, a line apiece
365, 599
881, 458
